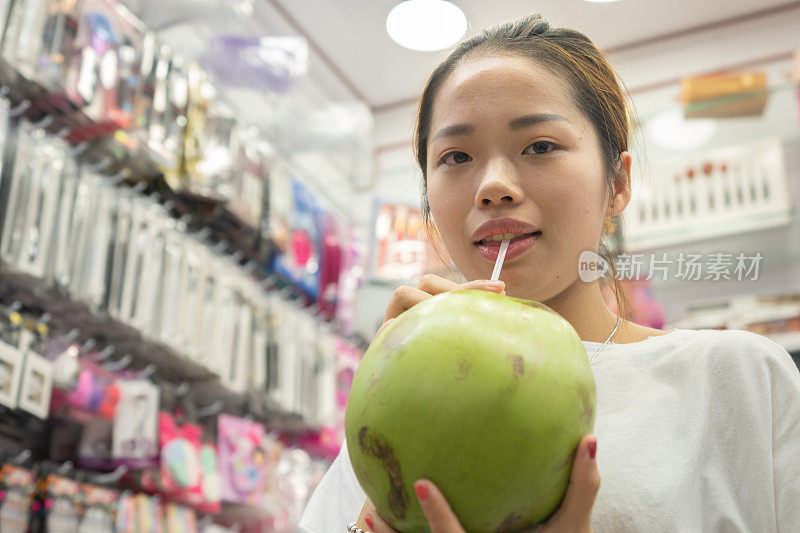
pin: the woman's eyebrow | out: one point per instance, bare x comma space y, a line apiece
515, 124
534, 118
452, 131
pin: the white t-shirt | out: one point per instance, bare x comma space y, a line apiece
697, 431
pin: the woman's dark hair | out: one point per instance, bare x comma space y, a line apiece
596, 92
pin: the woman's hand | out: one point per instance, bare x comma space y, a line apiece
405, 297
574, 515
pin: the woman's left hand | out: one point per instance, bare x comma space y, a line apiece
573, 515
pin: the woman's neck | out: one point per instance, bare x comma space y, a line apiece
582, 305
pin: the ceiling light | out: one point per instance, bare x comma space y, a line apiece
671, 131
602, 1
426, 25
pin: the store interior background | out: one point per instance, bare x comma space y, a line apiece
367, 86
338, 118
652, 45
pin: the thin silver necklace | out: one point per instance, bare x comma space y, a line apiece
604, 344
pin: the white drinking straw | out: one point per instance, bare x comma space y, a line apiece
500, 258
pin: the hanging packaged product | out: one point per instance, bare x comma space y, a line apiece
180, 456
347, 359
225, 320
5, 124
135, 428
11, 363
192, 296
132, 256
167, 115
149, 275
241, 459
105, 80
325, 369
95, 392
301, 260
248, 186
11, 324
64, 353
59, 273
125, 519
206, 495
211, 481
277, 223
289, 487
166, 317
57, 505
209, 141
240, 350
89, 279
32, 202
121, 246
152, 52
208, 296
67, 271
146, 316
180, 519
36, 385
283, 361
25, 140
4, 5
352, 275
24, 37
94, 449
142, 257
16, 492
257, 369
60, 55
149, 514
330, 267
99, 507
272, 499
306, 399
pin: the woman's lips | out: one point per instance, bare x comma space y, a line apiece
490, 249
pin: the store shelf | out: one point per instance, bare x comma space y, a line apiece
205, 387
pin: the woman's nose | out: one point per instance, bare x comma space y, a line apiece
498, 188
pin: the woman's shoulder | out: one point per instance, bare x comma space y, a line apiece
738, 340
727, 347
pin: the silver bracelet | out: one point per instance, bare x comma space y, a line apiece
352, 528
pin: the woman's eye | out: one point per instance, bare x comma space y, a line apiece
456, 157
542, 147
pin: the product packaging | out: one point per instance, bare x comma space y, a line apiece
16, 492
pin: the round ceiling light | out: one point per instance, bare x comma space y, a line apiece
426, 25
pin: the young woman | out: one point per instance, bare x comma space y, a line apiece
523, 130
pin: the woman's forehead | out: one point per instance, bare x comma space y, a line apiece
501, 87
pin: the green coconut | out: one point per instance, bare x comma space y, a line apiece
486, 395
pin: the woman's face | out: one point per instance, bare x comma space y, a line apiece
507, 144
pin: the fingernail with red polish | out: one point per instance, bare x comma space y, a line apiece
422, 491
592, 449
369, 522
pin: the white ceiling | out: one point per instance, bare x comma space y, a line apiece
351, 33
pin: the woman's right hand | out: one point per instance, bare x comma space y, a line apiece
405, 297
